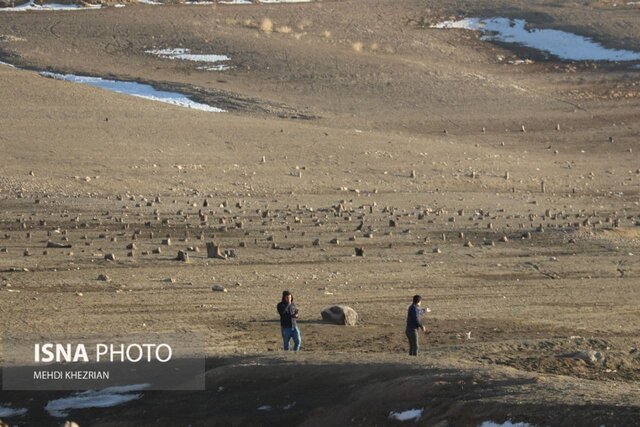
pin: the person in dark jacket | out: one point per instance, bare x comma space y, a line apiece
414, 323
288, 316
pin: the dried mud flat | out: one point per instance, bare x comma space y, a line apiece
507, 195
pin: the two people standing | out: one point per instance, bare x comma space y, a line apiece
289, 314
288, 321
414, 324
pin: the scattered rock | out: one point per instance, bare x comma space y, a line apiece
51, 244
110, 257
214, 251
182, 256
218, 288
103, 278
359, 251
588, 356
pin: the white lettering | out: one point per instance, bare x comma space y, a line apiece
81, 353
48, 354
101, 350
139, 349
169, 352
121, 352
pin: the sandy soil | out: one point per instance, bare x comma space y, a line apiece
371, 127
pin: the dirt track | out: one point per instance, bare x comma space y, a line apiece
364, 116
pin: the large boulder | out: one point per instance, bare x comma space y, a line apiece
340, 315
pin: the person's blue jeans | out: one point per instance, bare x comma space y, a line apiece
287, 334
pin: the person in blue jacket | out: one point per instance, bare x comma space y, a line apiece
288, 316
414, 324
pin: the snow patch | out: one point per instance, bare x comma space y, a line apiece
411, 414
6, 412
186, 55
507, 423
136, 89
566, 46
285, 1
106, 398
31, 5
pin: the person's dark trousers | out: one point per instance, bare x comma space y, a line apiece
412, 334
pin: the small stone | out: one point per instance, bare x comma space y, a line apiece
182, 256
110, 257
218, 288
51, 244
588, 356
103, 278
